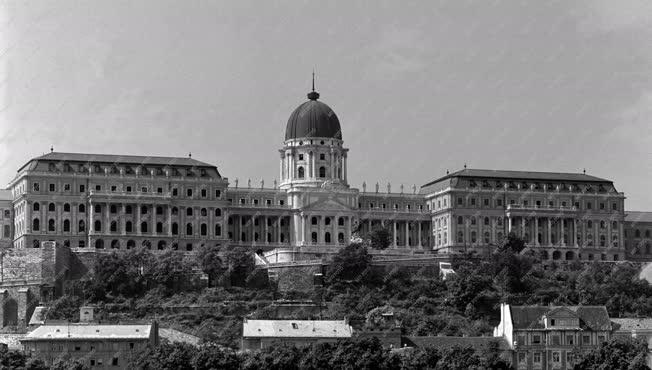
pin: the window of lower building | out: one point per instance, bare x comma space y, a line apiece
536, 339
115, 362
536, 357
556, 357
586, 339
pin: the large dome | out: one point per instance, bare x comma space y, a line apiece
313, 119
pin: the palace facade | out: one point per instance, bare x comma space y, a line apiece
104, 202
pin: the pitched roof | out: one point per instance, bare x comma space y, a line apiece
521, 175
632, 216
126, 159
83, 331
631, 324
530, 317
479, 343
176, 336
297, 328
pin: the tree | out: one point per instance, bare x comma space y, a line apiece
617, 354
67, 362
359, 354
349, 263
210, 261
11, 359
170, 271
214, 356
166, 356
380, 238
36, 364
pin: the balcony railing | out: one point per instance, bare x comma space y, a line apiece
131, 194
521, 207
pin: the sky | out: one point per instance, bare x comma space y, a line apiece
419, 87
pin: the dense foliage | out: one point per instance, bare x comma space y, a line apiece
142, 285
617, 354
345, 354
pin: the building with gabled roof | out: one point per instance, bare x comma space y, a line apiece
97, 345
552, 337
258, 334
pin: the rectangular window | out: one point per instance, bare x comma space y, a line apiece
556, 357
128, 189
521, 357
536, 358
281, 202
66, 187
473, 201
98, 187
460, 201
614, 206
52, 187
570, 340
601, 338
268, 202
601, 205
143, 189
36, 186
115, 362
242, 201
82, 188
577, 205
536, 339
114, 188
525, 203
538, 203
7, 213
499, 202
7, 231
586, 339
520, 340
175, 192
255, 202
189, 192
486, 202
589, 205
159, 190
204, 193
556, 340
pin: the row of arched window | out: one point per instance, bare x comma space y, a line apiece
129, 227
128, 209
301, 172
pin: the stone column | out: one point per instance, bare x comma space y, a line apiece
280, 169
306, 231
169, 220
562, 232
621, 235
394, 235
549, 241
59, 221
609, 233
121, 218
509, 224
348, 230
344, 169
575, 243
536, 231
153, 220
266, 230
137, 225
407, 234
419, 234
107, 217
90, 226
211, 222
320, 232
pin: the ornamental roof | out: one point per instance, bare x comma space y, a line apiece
632, 216
120, 159
531, 317
297, 328
83, 331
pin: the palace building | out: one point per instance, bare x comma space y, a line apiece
104, 202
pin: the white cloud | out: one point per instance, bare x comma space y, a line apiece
633, 125
620, 15
397, 51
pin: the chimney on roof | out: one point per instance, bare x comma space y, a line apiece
189, 154
584, 171
86, 313
51, 148
464, 165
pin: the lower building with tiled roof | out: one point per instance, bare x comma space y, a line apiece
543, 337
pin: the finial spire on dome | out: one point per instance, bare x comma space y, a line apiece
313, 95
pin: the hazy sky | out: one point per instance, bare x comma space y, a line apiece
419, 87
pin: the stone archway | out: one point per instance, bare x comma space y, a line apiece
10, 312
